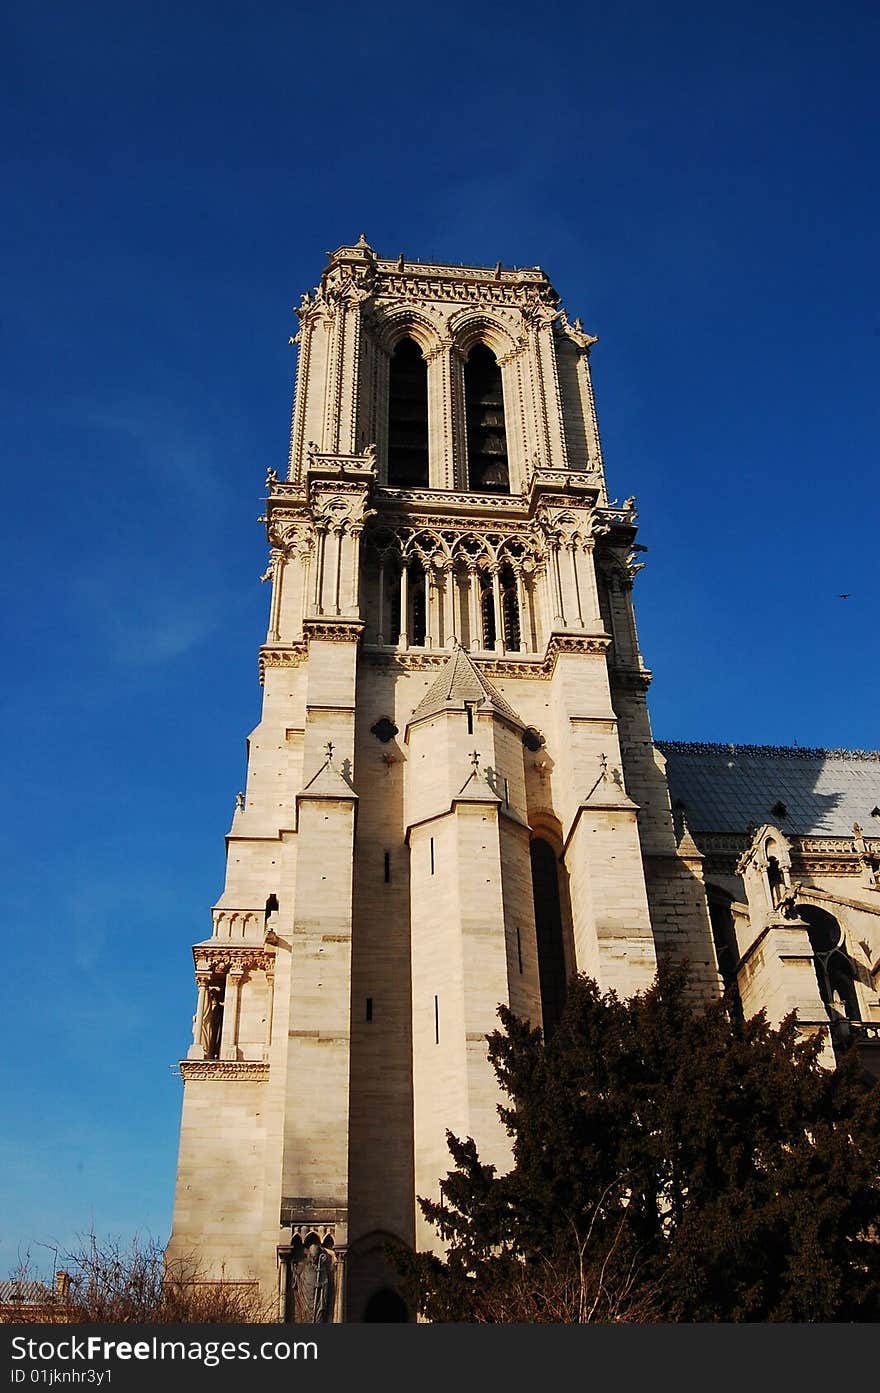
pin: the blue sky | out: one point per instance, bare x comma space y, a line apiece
700, 182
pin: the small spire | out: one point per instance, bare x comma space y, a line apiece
328, 750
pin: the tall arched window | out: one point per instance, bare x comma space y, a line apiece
834, 970
510, 614
487, 612
418, 624
548, 928
408, 417
484, 411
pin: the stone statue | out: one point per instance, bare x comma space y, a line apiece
314, 1286
212, 1022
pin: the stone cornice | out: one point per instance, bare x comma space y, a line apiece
333, 630
809, 855
239, 1070
632, 679
448, 504
221, 956
699, 747
281, 655
526, 666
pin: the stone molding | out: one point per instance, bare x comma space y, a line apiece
527, 666
809, 855
333, 631
290, 655
238, 1070
225, 957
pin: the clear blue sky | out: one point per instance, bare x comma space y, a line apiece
701, 183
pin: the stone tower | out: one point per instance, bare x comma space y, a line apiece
453, 798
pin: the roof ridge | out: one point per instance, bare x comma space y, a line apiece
706, 747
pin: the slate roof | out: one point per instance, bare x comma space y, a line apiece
730, 788
460, 680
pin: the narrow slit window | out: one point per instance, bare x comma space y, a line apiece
387, 866
518, 948
369, 1008
436, 1021
432, 856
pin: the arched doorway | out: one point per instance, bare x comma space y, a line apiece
386, 1305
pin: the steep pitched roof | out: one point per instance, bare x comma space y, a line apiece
728, 788
458, 682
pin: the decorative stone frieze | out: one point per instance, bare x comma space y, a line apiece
227, 1070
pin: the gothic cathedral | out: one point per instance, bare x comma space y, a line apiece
453, 797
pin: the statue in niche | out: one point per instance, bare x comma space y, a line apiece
313, 1286
212, 1022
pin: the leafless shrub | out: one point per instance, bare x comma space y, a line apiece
109, 1282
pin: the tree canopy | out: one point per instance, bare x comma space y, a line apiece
670, 1163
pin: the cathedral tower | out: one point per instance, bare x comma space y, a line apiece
453, 798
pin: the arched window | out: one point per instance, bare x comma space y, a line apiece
548, 928
724, 935
394, 608
417, 604
834, 970
408, 417
510, 614
487, 611
484, 411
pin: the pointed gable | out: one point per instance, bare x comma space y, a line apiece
459, 682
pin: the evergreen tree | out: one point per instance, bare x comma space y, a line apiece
670, 1163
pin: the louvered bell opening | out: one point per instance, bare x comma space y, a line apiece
408, 417
486, 435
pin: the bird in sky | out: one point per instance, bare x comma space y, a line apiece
843, 597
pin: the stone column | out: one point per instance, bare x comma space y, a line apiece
524, 641
496, 604
591, 590
380, 627
196, 1049
338, 533
459, 424
305, 556
430, 598
321, 548
403, 639
448, 603
354, 533
556, 585
476, 625
571, 548
277, 567
338, 1316
229, 1038
270, 1009
441, 449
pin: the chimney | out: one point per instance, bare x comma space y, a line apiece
62, 1285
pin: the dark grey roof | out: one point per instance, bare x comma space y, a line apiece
460, 680
729, 788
